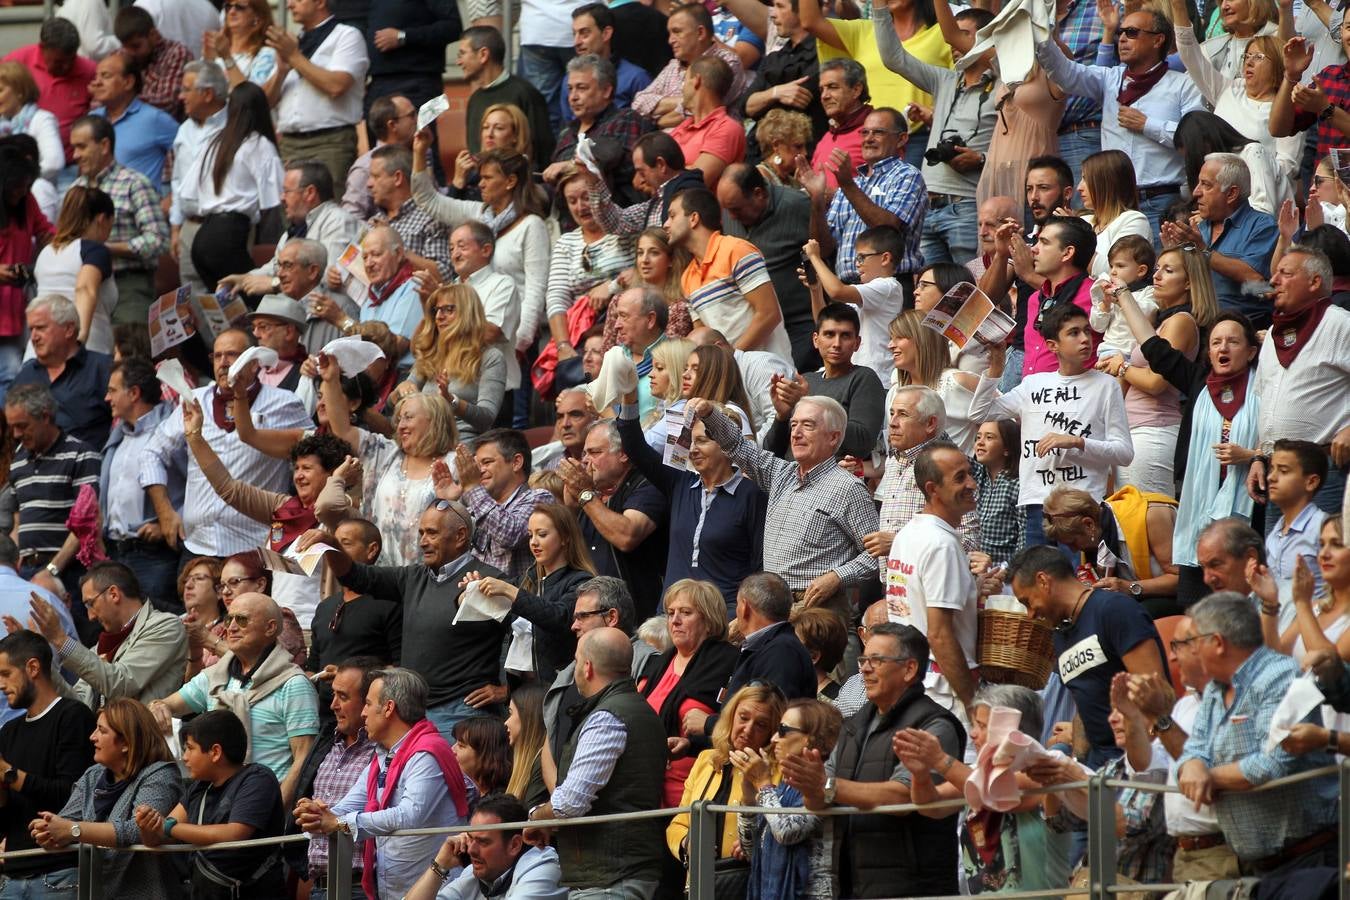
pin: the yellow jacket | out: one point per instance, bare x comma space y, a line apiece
702, 784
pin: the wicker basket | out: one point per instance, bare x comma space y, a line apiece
1015, 649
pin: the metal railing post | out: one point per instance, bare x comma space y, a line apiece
507, 25
702, 852
1101, 853
1343, 826
89, 873
340, 866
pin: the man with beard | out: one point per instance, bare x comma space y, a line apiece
41, 756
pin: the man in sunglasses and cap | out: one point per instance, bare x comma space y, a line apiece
459, 660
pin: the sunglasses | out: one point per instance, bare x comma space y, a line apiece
784, 730
445, 310
456, 508
768, 685
1133, 33
583, 614
232, 618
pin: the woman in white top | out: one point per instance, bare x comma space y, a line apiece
19, 114
77, 264
1201, 132
1108, 189
922, 356
238, 47
514, 209
1241, 22
235, 177
397, 472
1242, 93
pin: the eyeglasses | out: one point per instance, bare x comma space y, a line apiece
925, 283
583, 614
586, 259
784, 729
871, 662
1177, 643
199, 579
858, 259
1254, 57
89, 604
233, 583
1133, 33
445, 310
876, 132
1321, 179
237, 7
232, 618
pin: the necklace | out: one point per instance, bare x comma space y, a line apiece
1067, 622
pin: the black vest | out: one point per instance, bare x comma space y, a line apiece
887, 855
595, 856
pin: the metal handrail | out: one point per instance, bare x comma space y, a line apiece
1101, 857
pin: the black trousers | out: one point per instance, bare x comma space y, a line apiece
221, 247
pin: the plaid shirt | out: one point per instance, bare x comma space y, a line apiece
1081, 32
670, 80
499, 529
1335, 83
421, 234
139, 222
1145, 853
337, 773
901, 499
1260, 825
622, 124
163, 77
896, 187
1002, 521
624, 220
815, 522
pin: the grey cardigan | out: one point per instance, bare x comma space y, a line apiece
132, 876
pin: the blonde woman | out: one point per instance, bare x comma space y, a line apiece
239, 46
526, 732
397, 484
452, 357
1108, 190
20, 114
783, 135
668, 363
923, 357
504, 128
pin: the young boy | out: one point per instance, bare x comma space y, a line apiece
1132, 260
227, 801
1074, 428
879, 297
1293, 476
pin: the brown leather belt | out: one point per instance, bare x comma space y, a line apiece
1200, 841
1296, 849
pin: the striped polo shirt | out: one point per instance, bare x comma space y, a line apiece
45, 486
716, 286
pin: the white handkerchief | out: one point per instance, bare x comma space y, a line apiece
170, 374
520, 655
353, 354
617, 377
1299, 701
475, 606
265, 356
431, 110
585, 154
1098, 290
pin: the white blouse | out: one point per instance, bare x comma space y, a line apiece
252, 184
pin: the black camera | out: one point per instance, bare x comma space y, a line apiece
946, 150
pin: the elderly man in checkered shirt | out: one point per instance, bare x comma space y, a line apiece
818, 513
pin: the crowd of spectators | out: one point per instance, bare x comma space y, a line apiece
594, 448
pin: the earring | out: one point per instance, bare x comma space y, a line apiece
777, 159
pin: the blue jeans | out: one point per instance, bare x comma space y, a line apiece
155, 567
1035, 528
1331, 494
11, 358
1012, 370
447, 715
951, 233
1076, 146
626, 889
59, 885
1154, 209
546, 68
917, 147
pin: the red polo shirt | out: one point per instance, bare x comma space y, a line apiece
718, 134
846, 136
66, 97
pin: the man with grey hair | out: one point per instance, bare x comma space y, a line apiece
311, 212
1239, 239
844, 97
918, 418
49, 468
204, 93
640, 315
623, 516
1224, 550
818, 514
602, 602
414, 781
1224, 760
77, 377
300, 267
573, 415
1302, 378
424, 237
258, 682
592, 109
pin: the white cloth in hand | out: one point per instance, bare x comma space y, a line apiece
1299, 701
265, 357
617, 377
353, 354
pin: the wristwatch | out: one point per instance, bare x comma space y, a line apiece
585, 497
1161, 724
829, 790
75, 831
1326, 114
1333, 741
169, 823
1136, 589
402, 37
276, 284
53, 570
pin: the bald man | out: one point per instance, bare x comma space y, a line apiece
258, 682
852, 696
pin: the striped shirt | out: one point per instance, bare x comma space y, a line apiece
717, 285
46, 485
576, 267
214, 528
815, 522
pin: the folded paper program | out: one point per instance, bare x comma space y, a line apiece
475, 606
617, 377
1299, 702
993, 780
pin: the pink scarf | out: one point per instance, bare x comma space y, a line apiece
423, 738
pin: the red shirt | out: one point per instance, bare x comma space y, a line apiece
19, 244
718, 134
66, 97
1039, 357
847, 136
